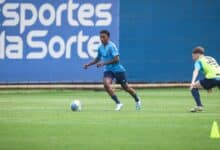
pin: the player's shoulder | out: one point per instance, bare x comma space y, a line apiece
112, 45
197, 62
207, 56
197, 65
210, 57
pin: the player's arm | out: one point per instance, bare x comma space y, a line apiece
95, 61
195, 74
113, 61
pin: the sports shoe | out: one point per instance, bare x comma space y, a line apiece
196, 109
119, 107
138, 105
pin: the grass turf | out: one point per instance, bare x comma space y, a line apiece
41, 119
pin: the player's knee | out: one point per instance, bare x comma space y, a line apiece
106, 82
125, 87
197, 85
193, 90
107, 86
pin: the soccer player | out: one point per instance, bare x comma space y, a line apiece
209, 67
108, 57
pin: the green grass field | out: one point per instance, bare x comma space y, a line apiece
42, 120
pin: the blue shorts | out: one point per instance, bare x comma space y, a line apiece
210, 83
119, 76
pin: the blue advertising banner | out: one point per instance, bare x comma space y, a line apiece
49, 41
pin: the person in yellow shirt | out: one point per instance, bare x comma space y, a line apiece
210, 68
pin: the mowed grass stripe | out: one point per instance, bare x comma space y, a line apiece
42, 119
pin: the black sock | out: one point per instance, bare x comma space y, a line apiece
196, 95
136, 98
115, 99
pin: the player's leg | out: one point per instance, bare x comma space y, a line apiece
207, 84
107, 80
133, 93
121, 79
196, 96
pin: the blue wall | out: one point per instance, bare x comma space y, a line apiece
157, 37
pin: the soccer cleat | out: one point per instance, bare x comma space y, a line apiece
119, 107
196, 109
138, 105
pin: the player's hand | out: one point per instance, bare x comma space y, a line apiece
192, 85
100, 64
86, 66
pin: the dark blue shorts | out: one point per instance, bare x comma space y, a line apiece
210, 83
119, 76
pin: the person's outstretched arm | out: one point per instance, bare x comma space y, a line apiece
95, 61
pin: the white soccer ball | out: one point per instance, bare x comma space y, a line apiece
76, 105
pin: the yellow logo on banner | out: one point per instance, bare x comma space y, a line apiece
215, 131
